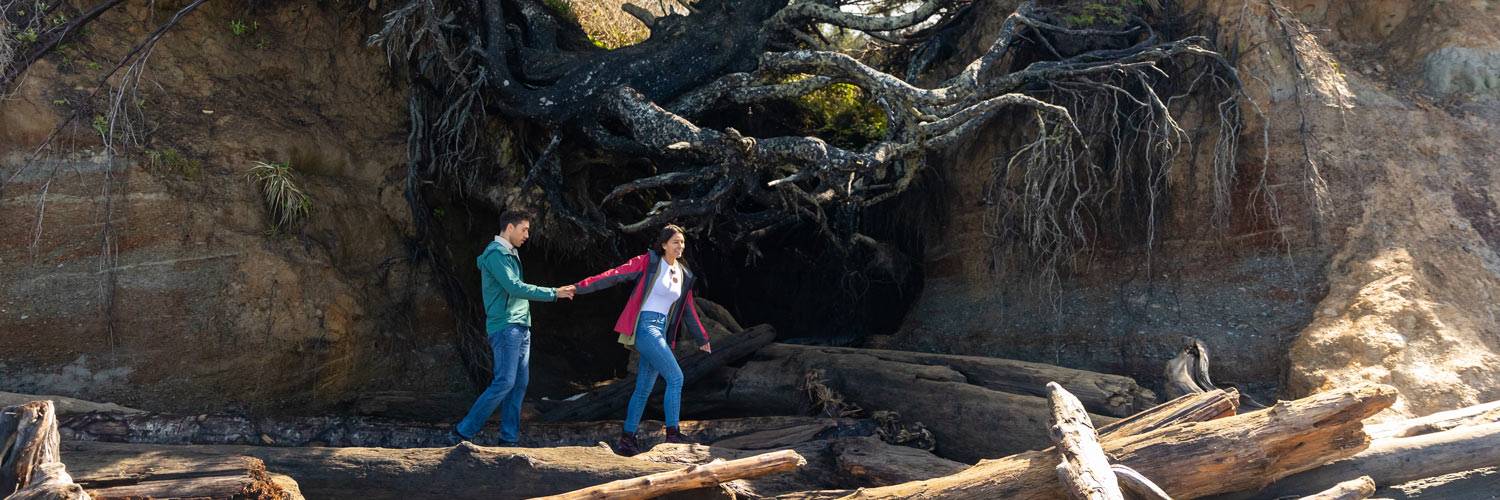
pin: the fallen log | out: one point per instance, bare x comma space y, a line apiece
871, 462
969, 421
1392, 461
1187, 460
697, 476
1084, 470
64, 405
157, 428
1437, 422
1104, 394
1199, 407
610, 400
223, 477
1354, 489
460, 472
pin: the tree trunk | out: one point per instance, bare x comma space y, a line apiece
964, 417
1392, 461
32, 462
460, 472
1354, 489
1188, 459
610, 400
697, 476
1084, 470
371, 432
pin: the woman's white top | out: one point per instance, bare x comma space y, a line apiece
666, 290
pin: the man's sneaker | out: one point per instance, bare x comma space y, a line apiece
627, 447
454, 438
675, 436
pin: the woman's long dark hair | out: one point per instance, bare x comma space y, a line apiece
666, 234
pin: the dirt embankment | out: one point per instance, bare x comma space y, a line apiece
197, 304
1390, 279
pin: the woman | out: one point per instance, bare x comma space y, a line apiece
660, 306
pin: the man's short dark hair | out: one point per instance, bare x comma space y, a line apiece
513, 217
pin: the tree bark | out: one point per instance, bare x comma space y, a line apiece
697, 476
371, 432
1188, 459
1392, 461
964, 417
611, 399
460, 472
1084, 470
1354, 489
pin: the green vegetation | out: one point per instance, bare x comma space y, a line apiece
172, 161
1101, 14
841, 114
101, 125
28, 36
289, 205
239, 28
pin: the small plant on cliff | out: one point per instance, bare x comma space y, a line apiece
239, 28
289, 205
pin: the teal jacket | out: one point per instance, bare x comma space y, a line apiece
507, 299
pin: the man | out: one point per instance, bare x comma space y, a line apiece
507, 311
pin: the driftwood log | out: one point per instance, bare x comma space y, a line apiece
1187, 409
461, 472
1354, 489
1187, 372
694, 477
610, 401
373, 432
1187, 459
1390, 461
222, 477
30, 458
64, 405
1140, 485
1084, 470
871, 462
965, 401
1103, 394
1437, 422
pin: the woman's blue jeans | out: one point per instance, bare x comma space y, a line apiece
656, 359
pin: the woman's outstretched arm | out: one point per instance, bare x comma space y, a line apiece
631, 270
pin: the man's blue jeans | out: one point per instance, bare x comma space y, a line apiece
512, 348
656, 359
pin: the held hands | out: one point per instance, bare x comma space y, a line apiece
706, 348
566, 292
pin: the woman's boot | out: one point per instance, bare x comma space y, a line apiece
627, 447
675, 436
